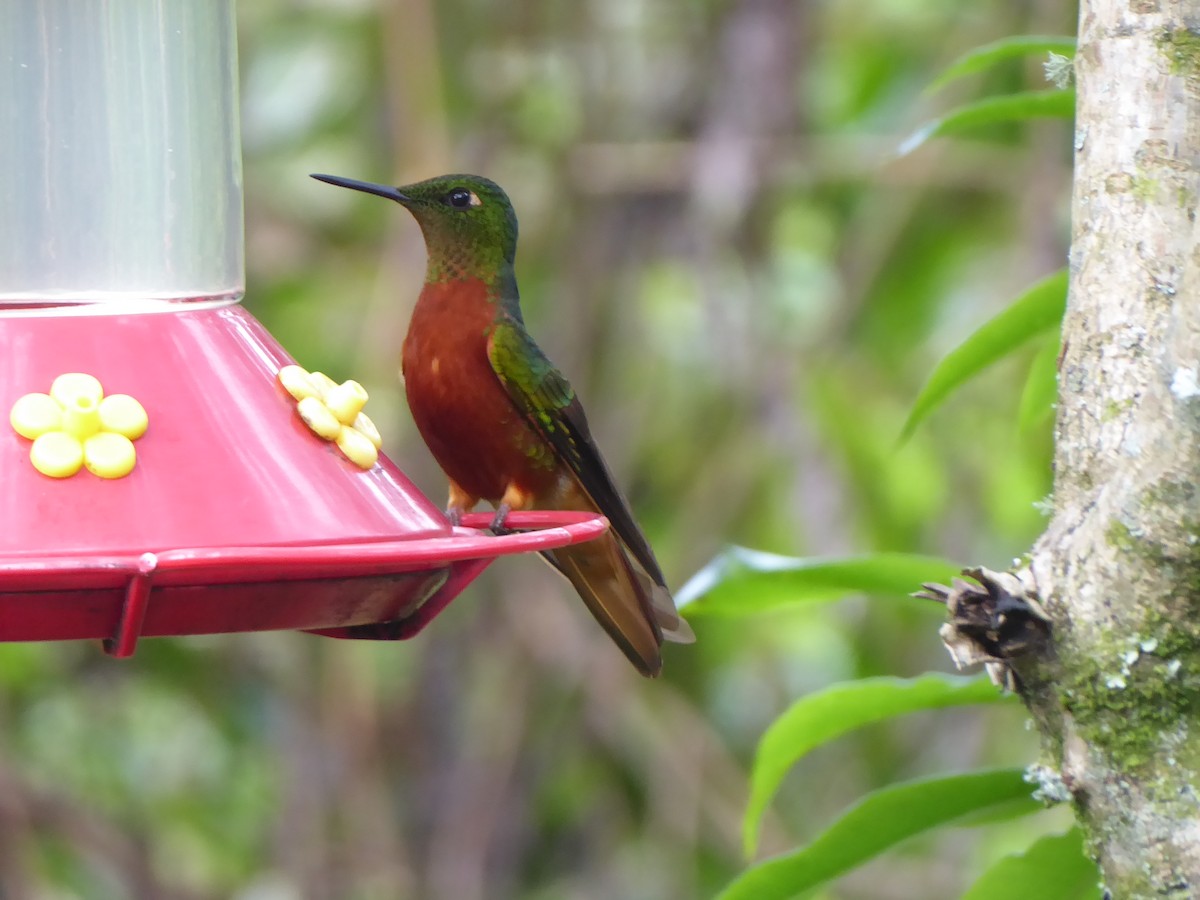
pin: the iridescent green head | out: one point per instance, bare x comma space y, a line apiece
469, 225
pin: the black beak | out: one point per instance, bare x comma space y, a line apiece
382, 190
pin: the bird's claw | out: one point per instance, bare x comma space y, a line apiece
454, 514
497, 526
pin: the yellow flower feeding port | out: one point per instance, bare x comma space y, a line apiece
75, 425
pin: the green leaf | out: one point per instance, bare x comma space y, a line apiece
1053, 868
740, 581
980, 58
992, 110
1041, 387
876, 823
1039, 308
823, 716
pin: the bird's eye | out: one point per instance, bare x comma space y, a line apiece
461, 198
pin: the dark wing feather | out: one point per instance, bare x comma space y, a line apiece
548, 401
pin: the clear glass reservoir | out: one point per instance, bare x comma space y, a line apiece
120, 156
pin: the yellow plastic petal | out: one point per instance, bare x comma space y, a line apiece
357, 447
297, 382
109, 455
318, 417
367, 427
323, 382
67, 388
35, 414
56, 454
124, 415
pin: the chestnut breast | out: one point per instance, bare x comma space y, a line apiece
463, 412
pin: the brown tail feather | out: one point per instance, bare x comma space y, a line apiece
601, 573
673, 626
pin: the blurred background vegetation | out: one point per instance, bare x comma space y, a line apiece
747, 285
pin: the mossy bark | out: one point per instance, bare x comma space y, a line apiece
1118, 569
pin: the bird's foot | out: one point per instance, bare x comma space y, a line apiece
498, 520
454, 514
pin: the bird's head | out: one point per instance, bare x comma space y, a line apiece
469, 225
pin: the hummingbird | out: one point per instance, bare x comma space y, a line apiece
503, 423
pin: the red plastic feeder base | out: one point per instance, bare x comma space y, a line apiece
236, 517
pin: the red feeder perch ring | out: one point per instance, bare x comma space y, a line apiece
236, 517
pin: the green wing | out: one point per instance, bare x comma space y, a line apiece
548, 401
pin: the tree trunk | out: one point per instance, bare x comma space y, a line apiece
1118, 569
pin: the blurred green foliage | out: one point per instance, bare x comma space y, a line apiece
748, 285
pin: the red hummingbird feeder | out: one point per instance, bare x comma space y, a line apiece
121, 259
